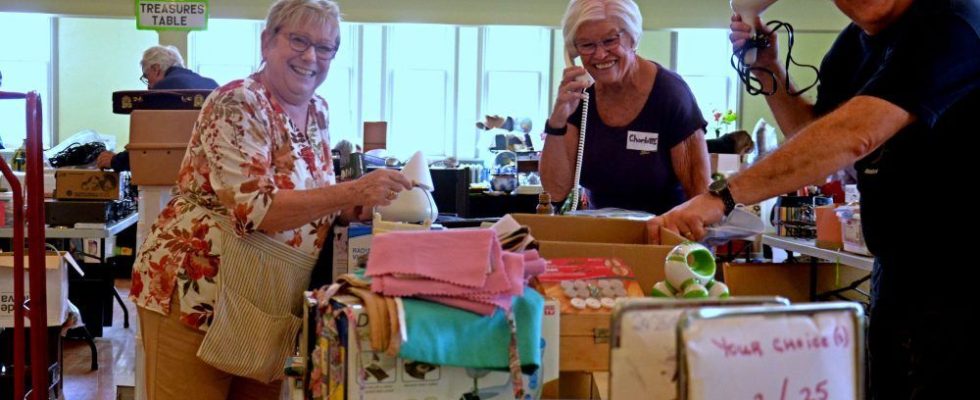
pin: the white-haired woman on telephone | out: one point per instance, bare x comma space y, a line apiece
644, 138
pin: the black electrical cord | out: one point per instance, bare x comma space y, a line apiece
753, 85
77, 154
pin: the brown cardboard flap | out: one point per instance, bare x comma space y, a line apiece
567, 228
584, 229
162, 126
52, 260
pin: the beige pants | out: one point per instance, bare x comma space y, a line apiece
173, 370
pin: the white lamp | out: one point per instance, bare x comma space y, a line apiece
416, 205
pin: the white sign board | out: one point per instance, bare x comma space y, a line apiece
172, 14
643, 356
772, 356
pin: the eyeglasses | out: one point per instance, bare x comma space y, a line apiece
300, 44
144, 79
607, 43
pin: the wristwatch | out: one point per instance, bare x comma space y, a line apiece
555, 131
720, 189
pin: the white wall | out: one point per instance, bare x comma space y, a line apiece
97, 56
809, 48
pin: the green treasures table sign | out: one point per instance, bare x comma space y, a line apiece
166, 15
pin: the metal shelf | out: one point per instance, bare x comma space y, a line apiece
808, 247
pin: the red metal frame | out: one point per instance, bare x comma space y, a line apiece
35, 226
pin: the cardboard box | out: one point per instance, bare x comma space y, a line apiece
162, 126
351, 245
828, 228
56, 285
375, 135
390, 378
87, 184
585, 337
155, 164
157, 142
49, 182
791, 281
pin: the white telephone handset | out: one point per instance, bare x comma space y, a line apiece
571, 203
570, 62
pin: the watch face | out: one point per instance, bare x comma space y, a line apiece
718, 185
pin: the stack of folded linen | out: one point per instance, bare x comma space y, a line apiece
466, 269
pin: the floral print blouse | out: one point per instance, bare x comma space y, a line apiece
244, 149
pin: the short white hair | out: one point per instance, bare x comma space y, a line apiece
164, 56
623, 12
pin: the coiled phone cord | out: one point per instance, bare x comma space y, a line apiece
576, 189
753, 85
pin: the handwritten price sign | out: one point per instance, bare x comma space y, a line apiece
816, 392
772, 357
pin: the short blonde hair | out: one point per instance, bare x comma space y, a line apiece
300, 13
624, 12
164, 56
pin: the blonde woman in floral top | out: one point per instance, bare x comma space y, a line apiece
259, 155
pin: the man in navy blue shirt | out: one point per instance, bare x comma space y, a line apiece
163, 68
898, 100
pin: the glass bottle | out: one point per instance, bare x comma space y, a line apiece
544, 204
19, 160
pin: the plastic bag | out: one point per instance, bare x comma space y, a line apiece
82, 137
740, 224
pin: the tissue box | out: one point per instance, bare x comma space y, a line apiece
851, 233
393, 378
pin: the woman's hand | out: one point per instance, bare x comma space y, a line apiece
741, 32
379, 187
570, 93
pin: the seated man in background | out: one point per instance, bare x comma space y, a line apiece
163, 68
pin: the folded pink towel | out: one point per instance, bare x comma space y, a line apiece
515, 273
461, 257
506, 280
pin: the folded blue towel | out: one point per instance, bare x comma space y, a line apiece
444, 335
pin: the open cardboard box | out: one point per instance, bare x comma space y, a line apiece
791, 280
585, 337
56, 287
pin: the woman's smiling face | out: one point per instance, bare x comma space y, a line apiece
297, 59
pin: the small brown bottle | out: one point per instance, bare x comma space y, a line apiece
544, 204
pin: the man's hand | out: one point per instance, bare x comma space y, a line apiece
689, 219
105, 160
741, 32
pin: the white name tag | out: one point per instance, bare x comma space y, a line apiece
642, 141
